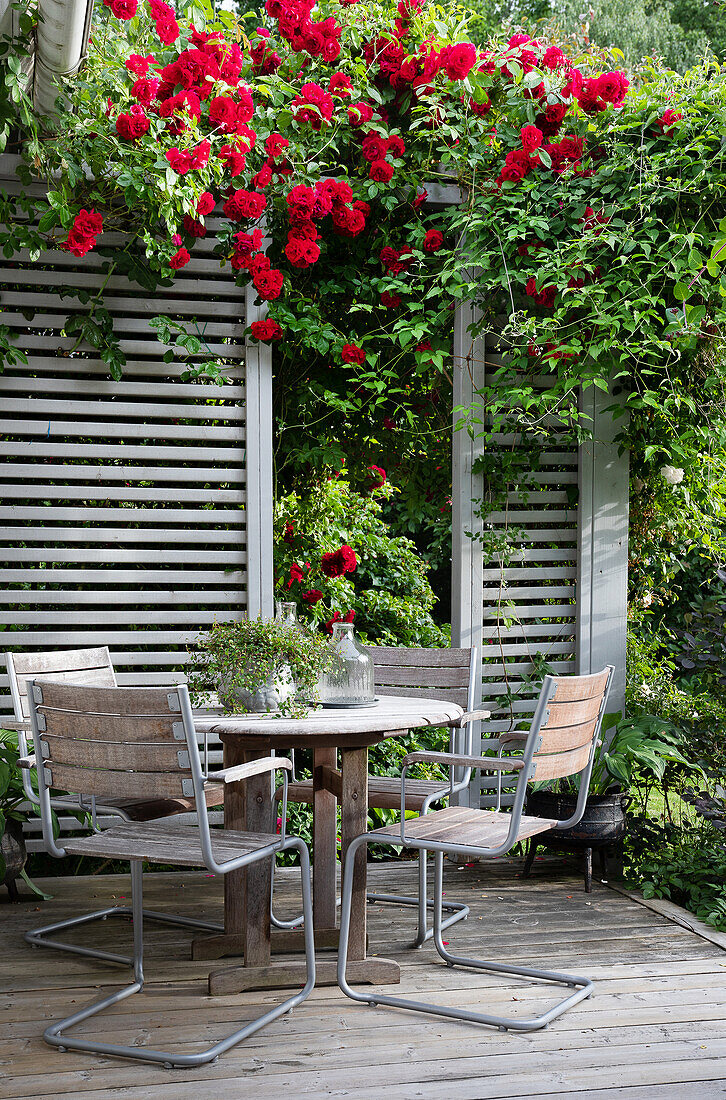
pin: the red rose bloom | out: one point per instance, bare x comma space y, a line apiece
139, 65
553, 58
122, 9
433, 240
178, 160
532, 138
87, 224
381, 171
612, 87
205, 203
223, 112
396, 146
144, 89
458, 60
351, 353
266, 331
268, 284
390, 301
194, 227
374, 146
179, 259
296, 574
289, 527
378, 476
666, 123
275, 144
312, 596
348, 221
359, 114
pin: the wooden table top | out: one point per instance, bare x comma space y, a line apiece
392, 715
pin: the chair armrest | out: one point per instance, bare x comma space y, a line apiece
27, 762
453, 760
250, 768
470, 716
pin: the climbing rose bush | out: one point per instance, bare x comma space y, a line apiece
592, 211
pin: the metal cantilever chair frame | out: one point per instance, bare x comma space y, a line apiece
73, 804
457, 910
526, 766
184, 732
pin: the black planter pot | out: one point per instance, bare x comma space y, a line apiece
13, 850
602, 824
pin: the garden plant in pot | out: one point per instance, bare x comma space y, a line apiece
631, 751
259, 667
12, 844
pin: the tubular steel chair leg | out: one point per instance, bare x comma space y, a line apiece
55, 1035
37, 936
583, 986
278, 922
457, 909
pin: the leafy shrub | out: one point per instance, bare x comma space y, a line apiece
386, 591
684, 864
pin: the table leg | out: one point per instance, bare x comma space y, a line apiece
354, 814
247, 807
324, 842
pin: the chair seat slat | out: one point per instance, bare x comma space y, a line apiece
162, 842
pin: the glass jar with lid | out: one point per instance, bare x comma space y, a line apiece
349, 682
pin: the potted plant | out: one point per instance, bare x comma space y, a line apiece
13, 853
637, 747
260, 667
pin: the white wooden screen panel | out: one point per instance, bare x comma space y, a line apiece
520, 608
124, 505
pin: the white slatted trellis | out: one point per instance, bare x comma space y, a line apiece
134, 513
560, 595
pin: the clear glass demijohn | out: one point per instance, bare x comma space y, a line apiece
349, 683
286, 612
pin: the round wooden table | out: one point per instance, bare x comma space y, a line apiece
249, 806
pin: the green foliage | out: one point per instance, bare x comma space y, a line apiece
249, 654
653, 687
638, 28
686, 865
388, 592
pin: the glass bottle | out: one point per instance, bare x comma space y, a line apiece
286, 612
349, 683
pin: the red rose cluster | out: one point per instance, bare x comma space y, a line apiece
267, 331
339, 562
395, 260
87, 224
375, 149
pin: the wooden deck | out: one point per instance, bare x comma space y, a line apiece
655, 1027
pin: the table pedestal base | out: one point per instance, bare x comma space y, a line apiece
286, 975
282, 942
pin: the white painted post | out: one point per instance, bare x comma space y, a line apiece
258, 406
602, 589
466, 495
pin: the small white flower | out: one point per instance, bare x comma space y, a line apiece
672, 474
647, 689
647, 599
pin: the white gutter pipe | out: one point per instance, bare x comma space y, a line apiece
61, 44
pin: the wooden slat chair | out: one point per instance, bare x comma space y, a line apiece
142, 742
448, 674
91, 667
561, 742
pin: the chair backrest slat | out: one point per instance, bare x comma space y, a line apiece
569, 725
422, 673
127, 742
80, 666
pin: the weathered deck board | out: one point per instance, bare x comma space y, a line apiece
657, 1020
